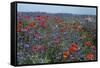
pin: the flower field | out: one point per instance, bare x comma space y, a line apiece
55, 38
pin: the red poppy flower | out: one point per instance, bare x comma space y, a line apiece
73, 47
88, 43
89, 56
43, 24
26, 28
62, 30
66, 54
20, 23
32, 24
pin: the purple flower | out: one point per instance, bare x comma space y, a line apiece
26, 46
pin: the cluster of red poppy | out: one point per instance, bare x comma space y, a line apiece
89, 55
73, 48
31, 25
41, 19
